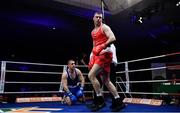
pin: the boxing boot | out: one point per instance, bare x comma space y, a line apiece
117, 105
98, 104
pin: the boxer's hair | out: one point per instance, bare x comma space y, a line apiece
98, 12
70, 61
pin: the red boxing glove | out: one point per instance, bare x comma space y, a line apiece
96, 50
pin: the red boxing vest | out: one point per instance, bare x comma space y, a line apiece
98, 36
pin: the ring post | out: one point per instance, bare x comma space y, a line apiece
3, 73
127, 77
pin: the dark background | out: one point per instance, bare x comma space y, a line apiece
50, 32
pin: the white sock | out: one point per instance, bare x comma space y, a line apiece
117, 97
99, 94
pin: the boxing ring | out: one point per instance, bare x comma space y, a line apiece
36, 88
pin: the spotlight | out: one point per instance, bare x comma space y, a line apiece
137, 19
178, 4
140, 20
147, 13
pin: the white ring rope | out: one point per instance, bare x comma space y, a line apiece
81, 66
143, 59
148, 58
147, 93
9, 82
37, 72
43, 64
148, 81
141, 93
12, 82
13, 62
138, 70
27, 92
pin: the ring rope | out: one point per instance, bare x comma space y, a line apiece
171, 54
33, 82
27, 92
139, 70
148, 81
141, 93
13, 62
11, 82
37, 72
148, 93
44, 64
81, 66
149, 69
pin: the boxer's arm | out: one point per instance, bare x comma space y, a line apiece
110, 35
81, 78
64, 82
90, 56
